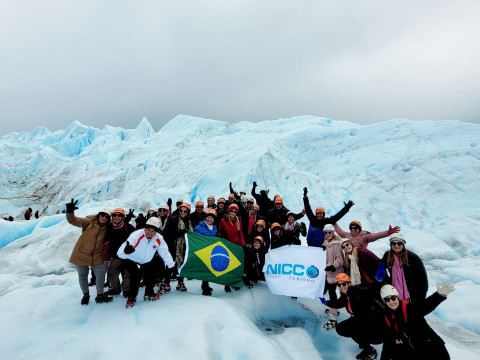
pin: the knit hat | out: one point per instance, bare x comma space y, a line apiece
233, 207
398, 237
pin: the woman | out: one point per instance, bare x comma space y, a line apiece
334, 266
174, 235
207, 228
260, 230
230, 228
88, 250
292, 229
254, 262
407, 336
361, 238
407, 273
360, 263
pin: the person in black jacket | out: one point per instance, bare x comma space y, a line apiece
263, 200
254, 262
407, 272
279, 213
118, 232
260, 229
315, 235
407, 336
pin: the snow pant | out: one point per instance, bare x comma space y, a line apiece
361, 329
149, 274
115, 268
332, 295
99, 271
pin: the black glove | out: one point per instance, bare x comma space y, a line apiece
169, 202
330, 268
349, 204
254, 184
182, 231
71, 206
128, 249
231, 188
173, 271
323, 247
305, 191
303, 229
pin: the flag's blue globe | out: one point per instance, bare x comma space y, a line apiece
312, 272
219, 258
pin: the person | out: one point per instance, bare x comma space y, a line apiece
88, 250
151, 212
262, 199
315, 235
260, 229
174, 235
407, 336
207, 227
178, 204
230, 228
251, 221
163, 216
292, 229
254, 262
334, 266
362, 238
278, 237
360, 263
36, 215
363, 327
28, 213
198, 215
139, 249
211, 202
407, 272
279, 213
221, 210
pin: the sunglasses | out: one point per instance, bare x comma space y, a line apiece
354, 228
341, 284
396, 243
234, 211
162, 210
105, 215
390, 298
198, 207
183, 211
328, 232
344, 246
260, 226
117, 215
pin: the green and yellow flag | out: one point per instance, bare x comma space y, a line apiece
212, 259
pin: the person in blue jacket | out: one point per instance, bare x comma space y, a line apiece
207, 227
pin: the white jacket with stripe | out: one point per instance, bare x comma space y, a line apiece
145, 248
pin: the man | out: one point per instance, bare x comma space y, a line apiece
198, 215
139, 249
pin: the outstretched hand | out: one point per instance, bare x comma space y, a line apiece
71, 206
169, 202
254, 184
393, 230
323, 300
305, 191
349, 204
131, 215
445, 289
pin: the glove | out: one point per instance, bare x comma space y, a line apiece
107, 263
71, 206
128, 249
323, 247
254, 184
173, 271
445, 289
131, 214
305, 191
330, 268
323, 300
169, 202
381, 272
349, 204
182, 231
393, 230
231, 188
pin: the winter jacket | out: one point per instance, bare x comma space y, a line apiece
88, 250
203, 229
145, 248
363, 237
171, 232
282, 240
195, 218
280, 216
408, 336
315, 235
163, 223
415, 276
115, 238
294, 234
230, 231
254, 262
265, 234
263, 201
367, 264
334, 257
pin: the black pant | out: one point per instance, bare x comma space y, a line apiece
361, 330
149, 271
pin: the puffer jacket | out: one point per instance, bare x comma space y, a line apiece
88, 250
229, 230
334, 257
363, 237
203, 229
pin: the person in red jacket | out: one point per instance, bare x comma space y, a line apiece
230, 228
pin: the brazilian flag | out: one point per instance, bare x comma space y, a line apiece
212, 259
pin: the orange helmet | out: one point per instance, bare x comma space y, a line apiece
356, 222
278, 200
275, 225
342, 277
251, 200
212, 212
259, 238
256, 207
260, 222
118, 211
199, 203
319, 210
187, 205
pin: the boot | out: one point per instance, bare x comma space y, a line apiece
85, 299
103, 298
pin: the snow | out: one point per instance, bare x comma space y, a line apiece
422, 176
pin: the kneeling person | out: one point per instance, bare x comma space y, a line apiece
139, 249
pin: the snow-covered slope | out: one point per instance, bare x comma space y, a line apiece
421, 176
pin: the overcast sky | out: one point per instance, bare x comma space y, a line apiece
115, 62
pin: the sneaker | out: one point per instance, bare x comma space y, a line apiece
369, 353
112, 292
330, 324
103, 298
151, 297
181, 287
228, 289
130, 302
85, 299
207, 291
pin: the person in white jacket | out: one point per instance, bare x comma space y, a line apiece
139, 249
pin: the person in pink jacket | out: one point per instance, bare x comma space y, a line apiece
334, 266
360, 238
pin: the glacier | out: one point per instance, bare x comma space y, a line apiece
420, 175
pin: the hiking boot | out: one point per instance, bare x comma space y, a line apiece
369, 353
102, 298
181, 287
228, 289
85, 299
207, 291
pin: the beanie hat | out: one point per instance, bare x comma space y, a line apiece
233, 207
399, 237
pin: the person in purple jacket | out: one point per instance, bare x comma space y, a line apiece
360, 263
361, 238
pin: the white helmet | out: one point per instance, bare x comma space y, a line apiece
329, 227
388, 290
344, 240
154, 223
398, 236
106, 211
163, 206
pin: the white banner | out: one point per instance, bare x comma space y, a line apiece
295, 270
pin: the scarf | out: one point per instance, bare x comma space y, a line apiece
118, 226
210, 227
355, 275
180, 248
398, 280
290, 227
251, 223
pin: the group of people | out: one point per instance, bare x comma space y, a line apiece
379, 293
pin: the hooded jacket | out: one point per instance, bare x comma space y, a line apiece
232, 231
363, 237
334, 257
